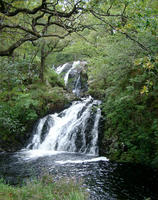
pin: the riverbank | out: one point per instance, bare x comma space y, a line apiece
43, 188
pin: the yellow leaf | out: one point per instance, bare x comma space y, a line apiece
144, 90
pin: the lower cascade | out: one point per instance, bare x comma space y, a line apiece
73, 130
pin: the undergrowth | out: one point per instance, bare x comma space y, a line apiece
43, 189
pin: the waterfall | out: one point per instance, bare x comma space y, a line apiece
75, 129
71, 73
74, 66
77, 88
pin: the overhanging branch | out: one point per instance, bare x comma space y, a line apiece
17, 44
43, 16
5, 11
124, 33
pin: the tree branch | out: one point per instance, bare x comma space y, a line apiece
4, 10
124, 33
17, 44
21, 28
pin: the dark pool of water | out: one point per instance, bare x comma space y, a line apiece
104, 179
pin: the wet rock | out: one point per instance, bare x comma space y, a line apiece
47, 125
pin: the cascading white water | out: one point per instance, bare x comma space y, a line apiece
76, 128
77, 88
37, 134
71, 74
94, 144
66, 77
61, 68
72, 130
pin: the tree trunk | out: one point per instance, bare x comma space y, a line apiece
42, 67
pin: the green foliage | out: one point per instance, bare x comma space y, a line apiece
53, 78
24, 98
43, 189
126, 80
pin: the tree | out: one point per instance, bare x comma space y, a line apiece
31, 20
48, 47
19, 24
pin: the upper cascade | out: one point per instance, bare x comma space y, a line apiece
75, 76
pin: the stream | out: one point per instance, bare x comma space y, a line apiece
66, 145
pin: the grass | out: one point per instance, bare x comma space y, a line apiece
43, 189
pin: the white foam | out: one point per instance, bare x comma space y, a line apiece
83, 161
34, 154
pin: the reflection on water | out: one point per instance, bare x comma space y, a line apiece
104, 179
